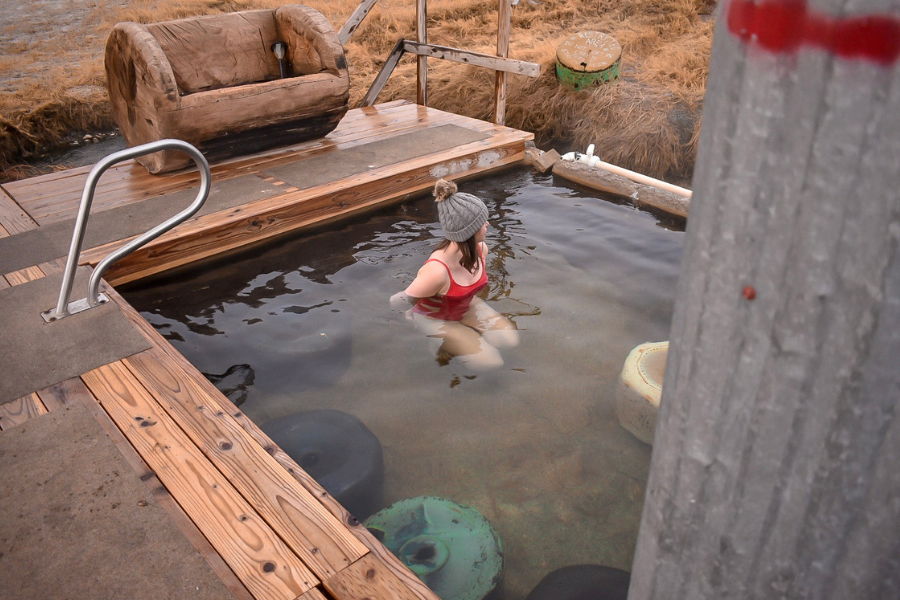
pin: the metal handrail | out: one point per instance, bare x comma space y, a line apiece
63, 307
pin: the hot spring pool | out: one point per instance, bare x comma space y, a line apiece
534, 446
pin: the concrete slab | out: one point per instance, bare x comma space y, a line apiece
76, 522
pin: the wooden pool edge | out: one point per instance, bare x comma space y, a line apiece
371, 571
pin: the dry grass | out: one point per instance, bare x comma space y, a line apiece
647, 121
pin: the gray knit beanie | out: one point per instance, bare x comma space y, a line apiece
461, 214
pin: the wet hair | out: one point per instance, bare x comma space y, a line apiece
469, 249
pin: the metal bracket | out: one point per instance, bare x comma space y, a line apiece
74, 307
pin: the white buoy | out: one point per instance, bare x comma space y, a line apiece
640, 388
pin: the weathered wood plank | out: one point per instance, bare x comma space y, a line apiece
422, 60
48, 209
504, 16
212, 234
52, 267
253, 551
368, 578
384, 74
12, 216
355, 19
24, 275
333, 506
478, 59
313, 594
18, 411
74, 390
774, 466
313, 533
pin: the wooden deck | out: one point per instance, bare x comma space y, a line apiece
267, 529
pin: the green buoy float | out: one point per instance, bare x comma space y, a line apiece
452, 548
640, 388
588, 59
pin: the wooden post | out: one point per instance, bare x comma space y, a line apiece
503, 26
775, 463
422, 61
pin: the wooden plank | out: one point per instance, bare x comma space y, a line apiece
384, 74
12, 216
113, 194
368, 578
313, 533
53, 267
18, 411
314, 594
355, 19
503, 25
478, 59
74, 390
24, 275
253, 551
333, 506
213, 234
421, 60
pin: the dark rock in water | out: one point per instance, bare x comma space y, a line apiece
339, 452
583, 582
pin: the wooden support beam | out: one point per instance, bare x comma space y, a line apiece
503, 26
421, 60
774, 467
508, 65
384, 74
355, 19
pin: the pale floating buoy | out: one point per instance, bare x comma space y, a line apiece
640, 388
452, 548
587, 59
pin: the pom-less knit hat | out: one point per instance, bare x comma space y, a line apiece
461, 214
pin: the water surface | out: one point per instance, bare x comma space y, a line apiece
535, 446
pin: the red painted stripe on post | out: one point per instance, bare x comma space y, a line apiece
782, 27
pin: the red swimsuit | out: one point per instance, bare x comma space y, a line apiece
453, 305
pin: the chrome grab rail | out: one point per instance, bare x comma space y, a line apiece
63, 307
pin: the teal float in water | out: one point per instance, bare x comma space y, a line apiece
451, 548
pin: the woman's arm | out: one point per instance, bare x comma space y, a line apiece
431, 280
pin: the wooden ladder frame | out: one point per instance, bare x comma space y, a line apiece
501, 63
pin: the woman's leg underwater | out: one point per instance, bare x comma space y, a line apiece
460, 341
496, 329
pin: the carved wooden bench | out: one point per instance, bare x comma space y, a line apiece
215, 82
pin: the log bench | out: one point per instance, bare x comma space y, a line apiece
215, 82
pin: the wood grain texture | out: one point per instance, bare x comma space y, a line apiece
21, 410
422, 61
24, 275
313, 533
418, 588
368, 578
778, 436
74, 390
209, 79
12, 217
254, 222
255, 553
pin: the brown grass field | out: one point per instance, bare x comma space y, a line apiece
52, 83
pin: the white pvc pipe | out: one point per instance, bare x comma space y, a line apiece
645, 179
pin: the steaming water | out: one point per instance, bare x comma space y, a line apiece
535, 446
